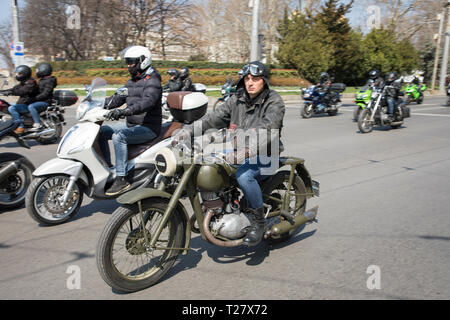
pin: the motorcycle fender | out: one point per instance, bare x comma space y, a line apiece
144, 193
306, 177
61, 166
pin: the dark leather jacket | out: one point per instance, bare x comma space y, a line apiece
173, 85
144, 100
26, 90
46, 86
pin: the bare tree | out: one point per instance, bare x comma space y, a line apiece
5, 40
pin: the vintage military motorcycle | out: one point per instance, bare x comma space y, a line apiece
143, 238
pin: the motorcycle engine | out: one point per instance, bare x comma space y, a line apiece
228, 220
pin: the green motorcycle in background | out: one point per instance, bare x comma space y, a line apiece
362, 99
414, 93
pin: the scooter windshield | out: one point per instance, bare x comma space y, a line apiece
98, 92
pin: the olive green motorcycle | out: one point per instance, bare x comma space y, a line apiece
144, 236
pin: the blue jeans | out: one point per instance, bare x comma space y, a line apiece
35, 108
122, 136
391, 105
247, 177
16, 110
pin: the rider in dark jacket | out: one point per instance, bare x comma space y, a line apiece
255, 109
143, 113
186, 80
27, 90
376, 79
174, 83
392, 91
47, 83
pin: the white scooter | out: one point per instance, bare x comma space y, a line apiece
56, 192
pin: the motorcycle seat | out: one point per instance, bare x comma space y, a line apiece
167, 129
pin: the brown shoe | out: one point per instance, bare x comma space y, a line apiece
19, 130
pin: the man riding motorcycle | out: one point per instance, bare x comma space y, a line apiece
27, 90
376, 79
174, 83
143, 113
393, 88
254, 107
186, 80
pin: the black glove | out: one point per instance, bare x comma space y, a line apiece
116, 114
7, 92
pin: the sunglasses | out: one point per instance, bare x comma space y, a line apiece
252, 69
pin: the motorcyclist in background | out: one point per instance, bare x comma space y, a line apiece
143, 114
324, 86
393, 88
376, 78
47, 83
185, 80
27, 90
174, 83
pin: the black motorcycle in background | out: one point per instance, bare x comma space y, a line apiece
16, 171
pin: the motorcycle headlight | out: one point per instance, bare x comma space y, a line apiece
223, 91
306, 95
374, 95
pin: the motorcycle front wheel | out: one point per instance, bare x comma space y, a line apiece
13, 188
44, 200
356, 113
364, 123
124, 259
307, 111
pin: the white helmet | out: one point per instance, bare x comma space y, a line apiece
138, 55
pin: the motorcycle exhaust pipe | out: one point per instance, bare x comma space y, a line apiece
285, 226
38, 134
9, 169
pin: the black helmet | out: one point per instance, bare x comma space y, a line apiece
173, 72
43, 69
391, 76
324, 76
374, 74
256, 69
184, 72
23, 73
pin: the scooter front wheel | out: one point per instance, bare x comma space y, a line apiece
124, 258
44, 201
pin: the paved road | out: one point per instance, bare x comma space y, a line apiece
384, 210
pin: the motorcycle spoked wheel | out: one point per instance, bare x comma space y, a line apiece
123, 260
14, 189
43, 200
277, 188
307, 111
52, 122
356, 113
364, 123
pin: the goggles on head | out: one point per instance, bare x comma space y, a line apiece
252, 69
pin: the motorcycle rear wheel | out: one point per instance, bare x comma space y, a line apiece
364, 123
123, 260
277, 187
13, 191
42, 200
